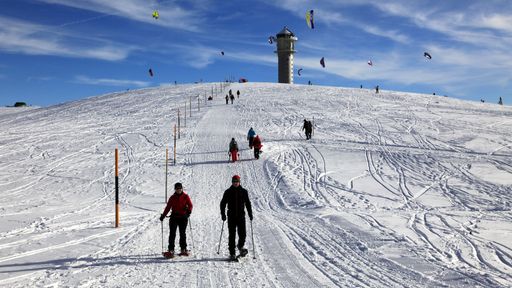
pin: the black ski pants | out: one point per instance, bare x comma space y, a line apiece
174, 223
256, 153
236, 224
308, 134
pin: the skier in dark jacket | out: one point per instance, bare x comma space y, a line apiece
227, 99
237, 199
308, 128
181, 207
250, 137
233, 150
237, 93
232, 97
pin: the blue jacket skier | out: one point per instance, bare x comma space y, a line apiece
250, 136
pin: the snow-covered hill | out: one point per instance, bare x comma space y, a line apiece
394, 190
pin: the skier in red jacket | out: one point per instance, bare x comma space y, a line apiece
181, 207
257, 146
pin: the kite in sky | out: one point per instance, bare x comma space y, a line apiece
322, 62
370, 62
150, 72
298, 71
155, 14
427, 55
309, 19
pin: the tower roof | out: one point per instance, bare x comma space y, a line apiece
285, 33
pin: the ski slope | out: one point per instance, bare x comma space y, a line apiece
394, 189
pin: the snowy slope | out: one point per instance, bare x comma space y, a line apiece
394, 190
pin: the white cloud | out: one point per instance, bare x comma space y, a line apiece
171, 15
23, 37
109, 82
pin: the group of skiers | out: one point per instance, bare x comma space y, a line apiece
231, 96
235, 198
254, 143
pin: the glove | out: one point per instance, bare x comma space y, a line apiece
223, 217
162, 217
188, 213
250, 217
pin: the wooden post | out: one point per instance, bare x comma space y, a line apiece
117, 187
174, 144
179, 124
166, 161
313, 126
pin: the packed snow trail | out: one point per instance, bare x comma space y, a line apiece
382, 196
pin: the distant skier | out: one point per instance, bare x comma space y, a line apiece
232, 97
237, 93
233, 150
236, 199
181, 207
377, 89
257, 146
308, 128
501, 101
250, 137
227, 99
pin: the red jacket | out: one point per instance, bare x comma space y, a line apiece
257, 142
180, 204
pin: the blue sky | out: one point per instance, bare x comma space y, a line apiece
54, 51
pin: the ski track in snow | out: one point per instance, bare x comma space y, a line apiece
384, 195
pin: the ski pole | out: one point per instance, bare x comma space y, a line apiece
191, 234
253, 249
162, 225
221, 230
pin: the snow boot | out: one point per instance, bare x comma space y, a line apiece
184, 252
168, 254
243, 252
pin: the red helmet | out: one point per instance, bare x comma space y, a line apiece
235, 178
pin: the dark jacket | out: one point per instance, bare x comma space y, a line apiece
307, 126
233, 146
237, 199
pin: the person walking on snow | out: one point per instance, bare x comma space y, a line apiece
257, 146
181, 206
227, 99
237, 93
308, 128
250, 137
236, 199
232, 97
233, 150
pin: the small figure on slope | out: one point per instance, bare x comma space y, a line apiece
257, 146
308, 128
250, 137
236, 199
181, 206
233, 150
